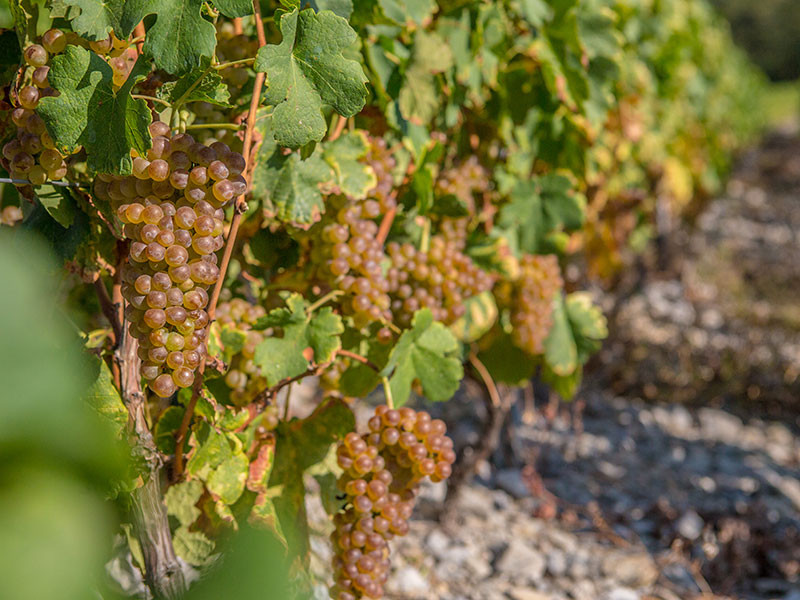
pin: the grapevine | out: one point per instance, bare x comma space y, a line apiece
371, 196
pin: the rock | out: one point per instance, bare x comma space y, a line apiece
690, 525
528, 594
621, 593
556, 563
510, 481
438, 543
410, 582
520, 562
629, 569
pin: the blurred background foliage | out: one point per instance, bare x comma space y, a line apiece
769, 30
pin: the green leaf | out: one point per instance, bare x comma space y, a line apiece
300, 445
560, 349
343, 8
200, 85
58, 203
306, 70
450, 206
479, 318
228, 479
536, 12
353, 177
505, 362
64, 242
541, 207
284, 357
89, 113
180, 37
290, 187
181, 500
192, 546
405, 11
91, 19
234, 8
419, 99
428, 353
168, 424
104, 398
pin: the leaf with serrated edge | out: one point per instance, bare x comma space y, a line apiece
228, 479
95, 18
425, 352
306, 70
180, 37
234, 8
283, 357
206, 86
180, 500
353, 177
89, 113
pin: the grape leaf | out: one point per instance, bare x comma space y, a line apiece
58, 203
427, 352
353, 177
536, 12
104, 398
227, 481
180, 37
180, 500
288, 185
306, 70
578, 328
418, 99
302, 443
90, 19
480, 316
218, 460
202, 85
404, 11
89, 113
284, 357
505, 362
234, 8
192, 546
164, 432
539, 207
343, 8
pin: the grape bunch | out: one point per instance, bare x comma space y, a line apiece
463, 181
380, 158
171, 208
244, 378
31, 155
531, 301
382, 470
349, 259
440, 279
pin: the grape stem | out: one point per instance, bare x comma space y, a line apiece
151, 99
326, 298
240, 208
338, 128
387, 391
233, 63
386, 223
424, 242
286, 406
231, 126
357, 357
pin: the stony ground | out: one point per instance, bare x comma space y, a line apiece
694, 493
